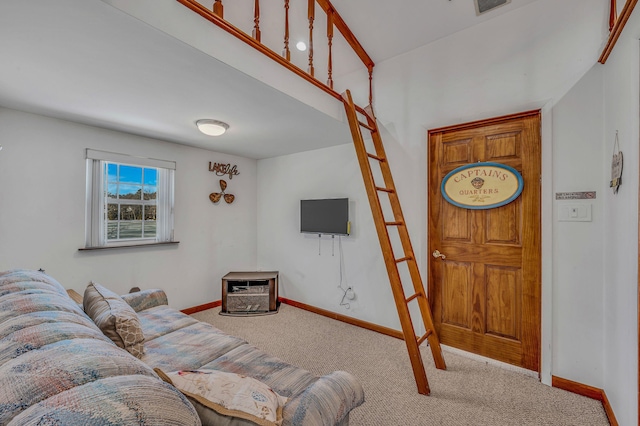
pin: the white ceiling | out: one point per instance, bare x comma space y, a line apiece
389, 28
86, 61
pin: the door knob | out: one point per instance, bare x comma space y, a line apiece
437, 254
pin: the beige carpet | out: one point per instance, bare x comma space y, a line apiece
469, 392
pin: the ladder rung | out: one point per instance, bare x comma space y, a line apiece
413, 297
384, 189
366, 126
375, 157
404, 259
394, 223
426, 335
360, 109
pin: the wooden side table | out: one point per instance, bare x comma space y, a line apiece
247, 293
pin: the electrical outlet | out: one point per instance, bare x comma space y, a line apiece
350, 294
574, 213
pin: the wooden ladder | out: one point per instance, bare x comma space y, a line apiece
382, 227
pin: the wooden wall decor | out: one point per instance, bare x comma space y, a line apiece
216, 196
221, 169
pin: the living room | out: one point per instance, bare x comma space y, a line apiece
589, 270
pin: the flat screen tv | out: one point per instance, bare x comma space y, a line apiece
327, 216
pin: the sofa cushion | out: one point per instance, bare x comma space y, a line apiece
286, 379
327, 401
118, 400
189, 347
114, 317
43, 372
27, 339
17, 279
161, 320
215, 392
145, 299
15, 304
31, 319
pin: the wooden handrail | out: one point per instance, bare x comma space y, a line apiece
333, 19
351, 39
621, 21
214, 18
346, 33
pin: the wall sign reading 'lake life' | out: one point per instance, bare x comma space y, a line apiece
482, 186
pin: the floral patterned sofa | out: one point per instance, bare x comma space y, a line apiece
57, 367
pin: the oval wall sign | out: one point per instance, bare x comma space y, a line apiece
480, 186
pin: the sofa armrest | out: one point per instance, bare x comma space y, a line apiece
326, 402
75, 296
146, 299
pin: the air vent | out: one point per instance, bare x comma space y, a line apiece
483, 6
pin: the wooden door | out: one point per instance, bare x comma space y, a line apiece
485, 294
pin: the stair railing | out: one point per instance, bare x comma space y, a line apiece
334, 21
616, 25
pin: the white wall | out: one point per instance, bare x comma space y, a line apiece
42, 212
621, 111
310, 267
578, 157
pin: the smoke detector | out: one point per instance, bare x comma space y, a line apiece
483, 6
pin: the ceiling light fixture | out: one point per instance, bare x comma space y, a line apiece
212, 127
301, 46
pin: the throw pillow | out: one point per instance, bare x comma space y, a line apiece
229, 394
115, 318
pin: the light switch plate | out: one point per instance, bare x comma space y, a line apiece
574, 212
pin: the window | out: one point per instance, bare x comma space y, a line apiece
132, 193
129, 200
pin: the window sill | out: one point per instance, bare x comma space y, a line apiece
168, 243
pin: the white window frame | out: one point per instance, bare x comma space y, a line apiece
96, 199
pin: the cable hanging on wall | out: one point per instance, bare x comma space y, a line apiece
333, 244
348, 293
